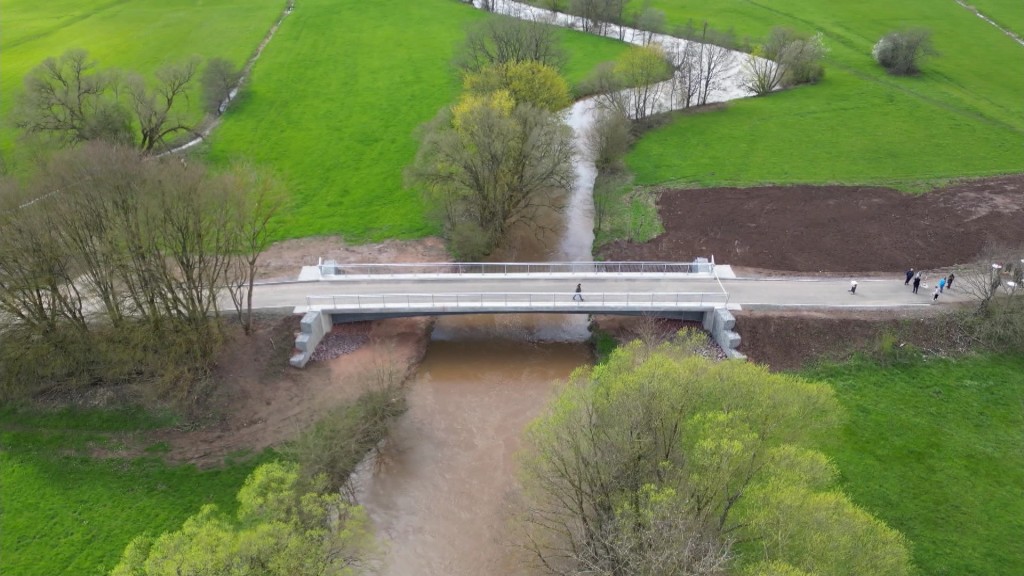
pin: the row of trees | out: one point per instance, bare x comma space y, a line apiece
71, 99
660, 462
115, 243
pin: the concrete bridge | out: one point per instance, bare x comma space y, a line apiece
699, 291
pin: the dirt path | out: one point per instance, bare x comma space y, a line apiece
815, 229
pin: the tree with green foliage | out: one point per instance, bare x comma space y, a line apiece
277, 531
662, 462
528, 82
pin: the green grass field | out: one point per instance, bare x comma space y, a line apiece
63, 512
964, 116
936, 449
137, 35
336, 99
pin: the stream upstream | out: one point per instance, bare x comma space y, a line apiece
440, 494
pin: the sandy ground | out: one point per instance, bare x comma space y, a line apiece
283, 260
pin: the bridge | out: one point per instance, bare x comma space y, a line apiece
701, 291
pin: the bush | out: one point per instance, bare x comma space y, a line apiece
331, 449
901, 52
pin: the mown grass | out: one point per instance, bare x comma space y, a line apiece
963, 116
936, 449
129, 34
65, 512
335, 102
1006, 13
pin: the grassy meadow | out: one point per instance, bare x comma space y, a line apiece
137, 35
963, 116
336, 99
934, 448
63, 511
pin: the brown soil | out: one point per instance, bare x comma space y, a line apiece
261, 401
835, 228
788, 340
284, 259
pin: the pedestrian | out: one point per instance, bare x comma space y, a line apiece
917, 283
949, 281
579, 293
942, 284
935, 295
910, 276
853, 287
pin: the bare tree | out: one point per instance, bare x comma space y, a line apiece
503, 40
489, 169
714, 61
652, 22
220, 77
608, 139
255, 202
686, 81
154, 107
69, 98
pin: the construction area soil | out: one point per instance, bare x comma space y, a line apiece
815, 229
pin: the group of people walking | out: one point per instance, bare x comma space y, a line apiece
915, 278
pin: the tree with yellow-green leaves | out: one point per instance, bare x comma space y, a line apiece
660, 462
276, 532
528, 82
492, 161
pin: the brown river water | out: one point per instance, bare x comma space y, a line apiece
439, 495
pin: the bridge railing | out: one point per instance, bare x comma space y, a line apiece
333, 269
519, 300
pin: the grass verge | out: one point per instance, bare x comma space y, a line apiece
67, 512
934, 448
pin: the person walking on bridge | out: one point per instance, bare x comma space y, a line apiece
910, 276
917, 282
579, 293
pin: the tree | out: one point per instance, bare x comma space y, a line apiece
608, 139
502, 39
652, 22
220, 78
67, 97
659, 460
277, 531
488, 163
643, 70
154, 107
528, 82
256, 202
714, 59
901, 52
115, 246
685, 61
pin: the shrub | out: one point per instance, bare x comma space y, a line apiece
901, 52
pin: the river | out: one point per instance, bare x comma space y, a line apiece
441, 493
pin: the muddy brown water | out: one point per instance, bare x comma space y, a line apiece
440, 493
